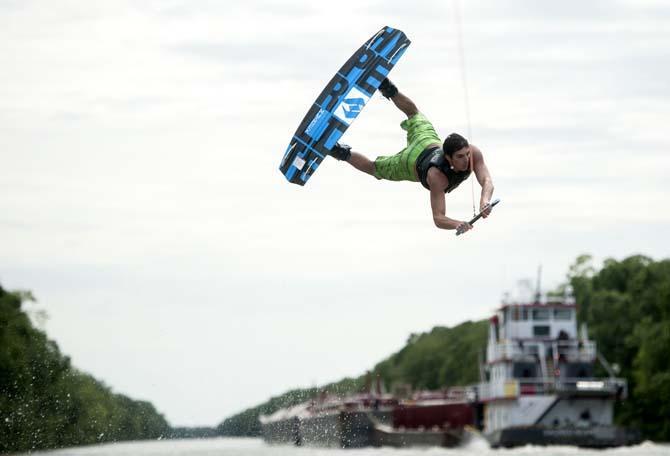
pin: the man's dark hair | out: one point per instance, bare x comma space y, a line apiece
453, 143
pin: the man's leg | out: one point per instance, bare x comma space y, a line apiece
359, 161
400, 100
362, 163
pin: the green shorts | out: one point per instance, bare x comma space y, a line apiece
401, 166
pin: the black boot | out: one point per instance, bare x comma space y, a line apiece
388, 89
341, 152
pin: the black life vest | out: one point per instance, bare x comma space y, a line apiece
434, 156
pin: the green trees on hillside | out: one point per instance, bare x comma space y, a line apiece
437, 359
627, 307
46, 403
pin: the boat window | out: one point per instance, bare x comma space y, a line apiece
532, 349
525, 370
578, 370
519, 313
540, 330
562, 314
540, 314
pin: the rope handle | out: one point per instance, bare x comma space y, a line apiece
478, 216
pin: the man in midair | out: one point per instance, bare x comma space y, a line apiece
439, 166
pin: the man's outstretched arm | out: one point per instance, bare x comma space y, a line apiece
402, 101
484, 179
437, 183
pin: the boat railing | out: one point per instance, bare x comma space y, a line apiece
512, 388
575, 350
458, 393
617, 386
571, 350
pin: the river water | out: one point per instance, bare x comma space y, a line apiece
256, 447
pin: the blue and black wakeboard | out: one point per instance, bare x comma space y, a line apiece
341, 102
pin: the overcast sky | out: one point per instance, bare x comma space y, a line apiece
141, 202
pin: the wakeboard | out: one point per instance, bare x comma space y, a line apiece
340, 103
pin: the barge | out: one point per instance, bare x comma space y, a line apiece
538, 387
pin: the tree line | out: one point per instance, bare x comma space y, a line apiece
626, 305
45, 402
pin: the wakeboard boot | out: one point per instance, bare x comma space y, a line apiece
388, 89
340, 152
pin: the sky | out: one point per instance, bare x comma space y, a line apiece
141, 201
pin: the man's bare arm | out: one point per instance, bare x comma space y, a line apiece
437, 183
483, 177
